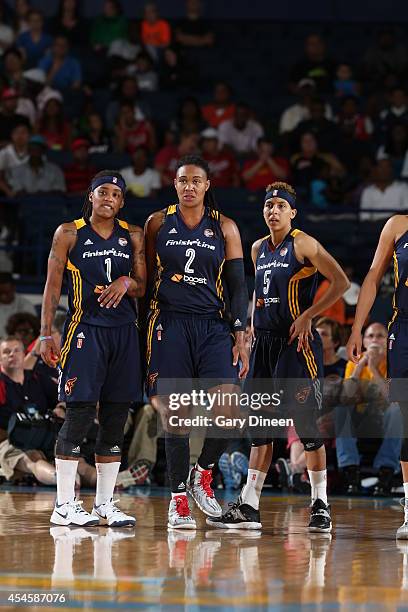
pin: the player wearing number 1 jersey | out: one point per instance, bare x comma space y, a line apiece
99, 360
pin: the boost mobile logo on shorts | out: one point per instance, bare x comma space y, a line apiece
190, 280
265, 302
69, 385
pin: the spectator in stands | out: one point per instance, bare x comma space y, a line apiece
79, 173
34, 86
155, 33
111, 25
307, 163
344, 84
166, 159
349, 119
13, 155
53, 125
21, 12
337, 311
69, 23
193, 30
34, 42
224, 169
18, 388
24, 326
37, 174
385, 61
10, 301
9, 117
396, 147
174, 73
143, 70
98, 138
315, 65
128, 91
364, 397
395, 112
266, 168
385, 193
221, 108
63, 71
294, 114
325, 130
242, 132
189, 118
141, 181
133, 132
13, 65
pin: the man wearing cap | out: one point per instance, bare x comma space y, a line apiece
37, 174
294, 114
9, 117
79, 173
223, 165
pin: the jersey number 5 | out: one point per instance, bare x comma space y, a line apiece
108, 263
190, 253
267, 281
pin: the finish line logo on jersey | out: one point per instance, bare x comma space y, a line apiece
190, 280
105, 252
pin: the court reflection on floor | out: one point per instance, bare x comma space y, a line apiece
359, 563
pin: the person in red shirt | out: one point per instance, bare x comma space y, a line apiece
133, 131
222, 108
266, 168
166, 159
223, 165
155, 32
79, 173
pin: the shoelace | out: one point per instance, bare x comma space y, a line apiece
77, 506
205, 482
112, 503
182, 507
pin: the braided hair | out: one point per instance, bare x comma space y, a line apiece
87, 206
196, 160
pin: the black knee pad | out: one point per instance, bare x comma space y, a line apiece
79, 418
112, 419
311, 444
404, 450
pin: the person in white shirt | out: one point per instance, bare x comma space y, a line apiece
11, 302
384, 194
141, 181
14, 154
296, 113
241, 133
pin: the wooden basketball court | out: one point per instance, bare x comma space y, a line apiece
359, 566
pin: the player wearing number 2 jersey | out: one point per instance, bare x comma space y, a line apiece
99, 359
191, 250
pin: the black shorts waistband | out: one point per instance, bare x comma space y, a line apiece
189, 316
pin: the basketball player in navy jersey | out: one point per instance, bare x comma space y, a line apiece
392, 245
193, 249
99, 358
286, 264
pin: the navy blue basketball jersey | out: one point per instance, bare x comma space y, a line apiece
95, 262
400, 299
189, 265
284, 288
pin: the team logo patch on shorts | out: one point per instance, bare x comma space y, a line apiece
152, 379
208, 233
302, 395
123, 241
69, 385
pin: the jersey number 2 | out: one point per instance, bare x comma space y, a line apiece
190, 253
108, 263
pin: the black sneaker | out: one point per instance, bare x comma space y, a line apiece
238, 516
320, 519
384, 484
351, 475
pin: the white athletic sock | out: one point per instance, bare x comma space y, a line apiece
173, 495
406, 501
252, 490
66, 473
106, 474
318, 482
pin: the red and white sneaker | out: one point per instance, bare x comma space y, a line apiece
179, 514
199, 487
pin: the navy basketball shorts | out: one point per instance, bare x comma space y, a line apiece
397, 360
296, 376
183, 347
100, 363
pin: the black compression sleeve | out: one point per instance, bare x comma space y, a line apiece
235, 278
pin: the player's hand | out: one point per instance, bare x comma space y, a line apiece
353, 347
50, 354
112, 295
301, 329
239, 352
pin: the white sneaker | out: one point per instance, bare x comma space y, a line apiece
199, 487
72, 513
179, 514
108, 514
402, 532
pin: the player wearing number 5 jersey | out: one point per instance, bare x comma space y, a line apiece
99, 360
193, 249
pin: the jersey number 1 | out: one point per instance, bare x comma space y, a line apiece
108, 263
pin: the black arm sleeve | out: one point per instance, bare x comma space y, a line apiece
234, 274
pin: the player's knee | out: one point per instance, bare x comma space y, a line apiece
311, 444
112, 419
79, 418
